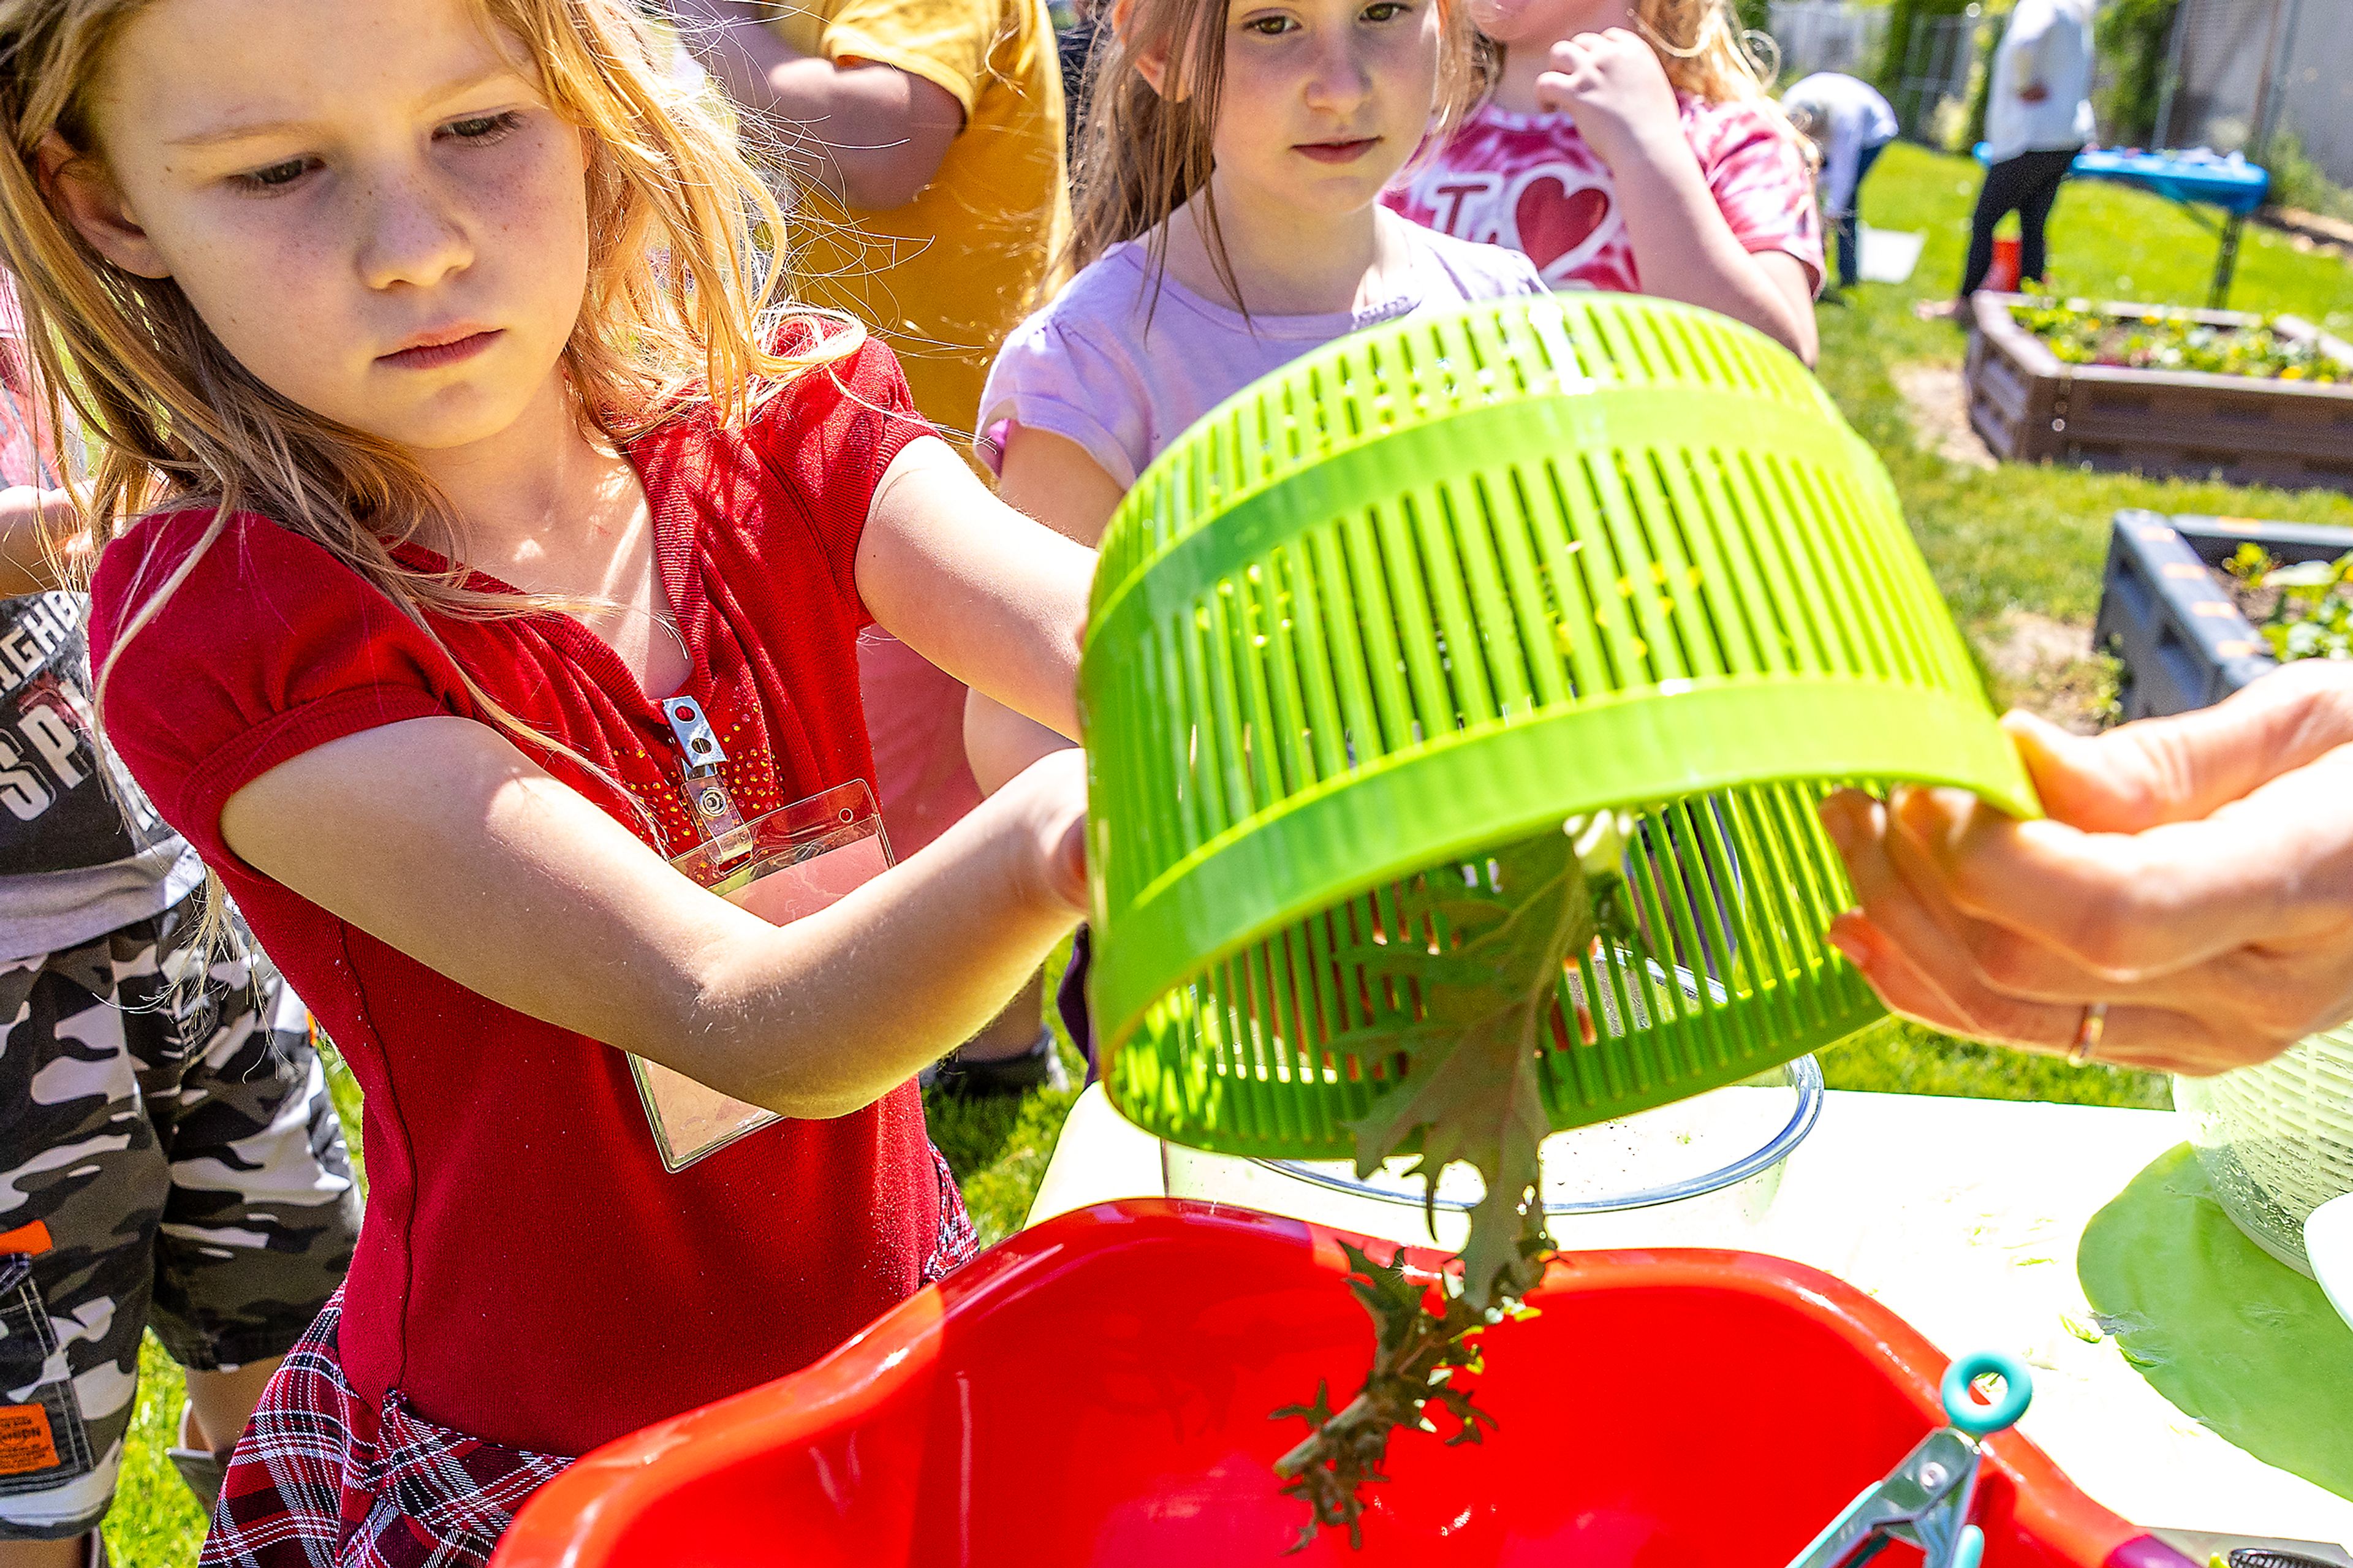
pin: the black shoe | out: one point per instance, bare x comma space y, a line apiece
1040, 1066
204, 1471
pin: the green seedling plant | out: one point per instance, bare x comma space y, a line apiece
1474, 990
2078, 332
2311, 611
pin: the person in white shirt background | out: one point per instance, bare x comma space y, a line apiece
1850, 125
2038, 117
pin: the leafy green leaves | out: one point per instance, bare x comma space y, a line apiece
1470, 969
2081, 333
2311, 616
1470, 1090
1416, 1353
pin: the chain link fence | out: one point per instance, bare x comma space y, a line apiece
2243, 72
1828, 35
1932, 97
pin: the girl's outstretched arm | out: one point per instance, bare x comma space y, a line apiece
996, 600
1000, 745
1613, 84
439, 838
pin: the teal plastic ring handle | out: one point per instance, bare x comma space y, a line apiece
1984, 1420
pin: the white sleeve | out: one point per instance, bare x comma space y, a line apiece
2026, 41
1843, 159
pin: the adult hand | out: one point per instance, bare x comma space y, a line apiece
1612, 85
2195, 874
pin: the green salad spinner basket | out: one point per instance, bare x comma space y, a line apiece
1449, 583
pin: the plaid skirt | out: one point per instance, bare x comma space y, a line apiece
324, 1480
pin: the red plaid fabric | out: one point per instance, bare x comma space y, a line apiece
957, 1240
321, 1480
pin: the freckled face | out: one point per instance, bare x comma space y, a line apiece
372, 206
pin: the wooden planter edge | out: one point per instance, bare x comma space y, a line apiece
2029, 406
1994, 319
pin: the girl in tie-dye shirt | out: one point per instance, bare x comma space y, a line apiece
1632, 146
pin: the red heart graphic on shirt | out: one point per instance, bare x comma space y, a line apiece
1554, 220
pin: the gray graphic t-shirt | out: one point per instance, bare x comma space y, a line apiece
81, 852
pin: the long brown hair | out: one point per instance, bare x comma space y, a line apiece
1145, 154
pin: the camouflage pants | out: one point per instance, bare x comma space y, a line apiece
169, 1157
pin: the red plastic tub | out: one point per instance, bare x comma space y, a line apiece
1096, 1391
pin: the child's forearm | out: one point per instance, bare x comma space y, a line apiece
824, 1016
1000, 743
872, 135
996, 599
1685, 251
440, 839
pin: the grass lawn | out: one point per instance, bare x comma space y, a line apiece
2035, 538
2000, 541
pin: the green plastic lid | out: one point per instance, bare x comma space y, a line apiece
1437, 588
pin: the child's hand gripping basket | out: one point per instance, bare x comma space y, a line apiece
1436, 590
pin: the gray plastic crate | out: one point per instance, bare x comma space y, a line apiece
2183, 643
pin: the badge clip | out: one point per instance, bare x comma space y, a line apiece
706, 787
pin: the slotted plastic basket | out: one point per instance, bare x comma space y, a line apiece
1435, 589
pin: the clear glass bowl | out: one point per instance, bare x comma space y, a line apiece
1697, 1173
2277, 1140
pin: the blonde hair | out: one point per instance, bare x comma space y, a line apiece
1709, 55
680, 301
1144, 154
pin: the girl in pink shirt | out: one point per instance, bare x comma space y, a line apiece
1226, 220
1632, 146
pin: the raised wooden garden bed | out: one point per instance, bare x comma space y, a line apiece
2166, 616
2029, 406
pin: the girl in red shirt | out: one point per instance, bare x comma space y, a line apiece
444, 428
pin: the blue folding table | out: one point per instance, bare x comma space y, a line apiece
2192, 179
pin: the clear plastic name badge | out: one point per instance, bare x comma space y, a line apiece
791, 862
